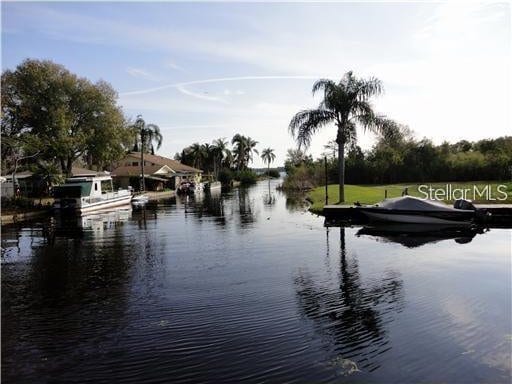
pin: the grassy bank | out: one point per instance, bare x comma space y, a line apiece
371, 194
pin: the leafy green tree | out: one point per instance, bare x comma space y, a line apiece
347, 105
68, 116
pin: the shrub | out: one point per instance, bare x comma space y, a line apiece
302, 178
246, 177
273, 173
225, 176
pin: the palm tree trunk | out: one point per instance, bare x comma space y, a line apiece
142, 181
341, 169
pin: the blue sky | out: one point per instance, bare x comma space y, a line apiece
206, 70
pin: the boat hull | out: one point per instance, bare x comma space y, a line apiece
419, 217
96, 206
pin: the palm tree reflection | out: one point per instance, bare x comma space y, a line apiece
245, 208
352, 313
269, 199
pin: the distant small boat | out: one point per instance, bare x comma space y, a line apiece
187, 188
409, 209
212, 185
140, 199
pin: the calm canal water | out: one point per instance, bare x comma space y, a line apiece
248, 287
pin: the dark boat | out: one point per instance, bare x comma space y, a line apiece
409, 209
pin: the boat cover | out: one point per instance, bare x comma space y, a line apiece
411, 203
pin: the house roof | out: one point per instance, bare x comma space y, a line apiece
133, 170
78, 171
173, 164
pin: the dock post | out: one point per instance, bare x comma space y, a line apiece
385, 193
326, 182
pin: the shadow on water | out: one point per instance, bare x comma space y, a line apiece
73, 295
352, 314
236, 205
417, 235
269, 198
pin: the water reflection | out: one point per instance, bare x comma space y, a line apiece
296, 202
353, 314
73, 295
269, 198
417, 235
225, 288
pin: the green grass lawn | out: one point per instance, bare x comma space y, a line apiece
371, 194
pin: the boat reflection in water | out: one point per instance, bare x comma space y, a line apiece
416, 235
74, 226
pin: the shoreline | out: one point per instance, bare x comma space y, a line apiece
17, 217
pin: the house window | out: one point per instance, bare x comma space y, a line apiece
135, 163
95, 186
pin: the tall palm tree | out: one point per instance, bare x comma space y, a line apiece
250, 149
268, 156
220, 149
347, 105
238, 142
149, 133
197, 153
228, 159
208, 157
244, 148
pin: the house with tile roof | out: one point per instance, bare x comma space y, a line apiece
159, 172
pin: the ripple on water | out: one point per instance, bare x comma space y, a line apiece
243, 287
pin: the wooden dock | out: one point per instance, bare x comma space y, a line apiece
499, 215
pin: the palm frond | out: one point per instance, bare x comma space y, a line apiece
376, 123
369, 87
306, 123
325, 84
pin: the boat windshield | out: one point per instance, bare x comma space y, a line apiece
413, 203
73, 190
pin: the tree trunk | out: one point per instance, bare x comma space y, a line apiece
341, 168
62, 165
69, 167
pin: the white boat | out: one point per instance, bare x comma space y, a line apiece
409, 209
140, 199
87, 194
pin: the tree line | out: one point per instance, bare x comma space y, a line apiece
400, 157
226, 160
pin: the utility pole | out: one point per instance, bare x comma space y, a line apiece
142, 182
326, 182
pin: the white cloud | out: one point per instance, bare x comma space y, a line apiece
197, 95
141, 73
